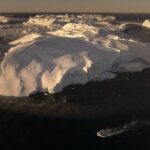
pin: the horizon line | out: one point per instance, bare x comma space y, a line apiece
76, 12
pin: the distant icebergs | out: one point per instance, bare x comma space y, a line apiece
146, 23
41, 20
90, 33
123, 26
76, 30
109, 18
4, 19
51, 20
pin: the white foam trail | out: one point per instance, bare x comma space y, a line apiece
109, 132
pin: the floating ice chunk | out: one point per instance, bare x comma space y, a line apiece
146, 23
123, 26
109, 18
45, 21
72, 26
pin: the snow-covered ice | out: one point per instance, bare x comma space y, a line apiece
51, 63
45, 21
75, 53
75, 30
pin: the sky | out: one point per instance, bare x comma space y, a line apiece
126, 6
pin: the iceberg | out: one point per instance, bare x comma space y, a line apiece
109, 18
75, 54
45, 21
88, 32
48, 64
146, 23
76, 30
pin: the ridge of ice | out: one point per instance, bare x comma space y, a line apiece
75, 30
51, 63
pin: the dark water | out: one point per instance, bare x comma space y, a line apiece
71, 119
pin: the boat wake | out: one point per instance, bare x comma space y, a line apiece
109, 132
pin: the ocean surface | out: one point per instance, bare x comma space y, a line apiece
71, 119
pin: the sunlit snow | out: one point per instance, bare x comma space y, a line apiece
77, 52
